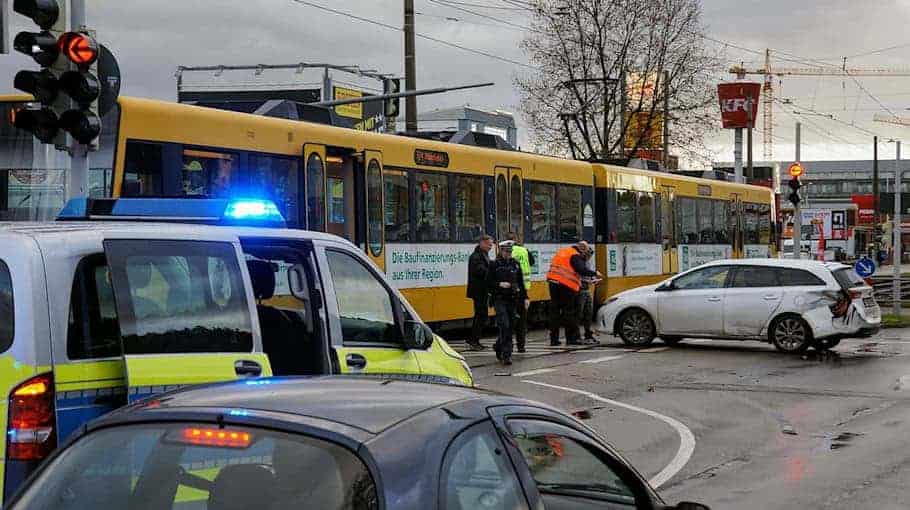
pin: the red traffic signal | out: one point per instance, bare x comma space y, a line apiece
81, 49
795, 185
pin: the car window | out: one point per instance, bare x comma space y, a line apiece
755, 276
201, 467
847, 278
708, 278
6, 308
477, 474
790, 277
179, 296
93, 330
564, 467
364, 304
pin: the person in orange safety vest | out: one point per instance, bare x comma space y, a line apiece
567, 268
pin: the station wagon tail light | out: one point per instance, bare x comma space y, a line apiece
224, 438
31, 429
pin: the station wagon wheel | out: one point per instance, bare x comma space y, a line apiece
636, 328
790, 334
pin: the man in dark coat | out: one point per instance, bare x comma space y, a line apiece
478, 267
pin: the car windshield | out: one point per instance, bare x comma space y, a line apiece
847, 278
201, 467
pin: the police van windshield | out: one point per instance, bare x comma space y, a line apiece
33, 176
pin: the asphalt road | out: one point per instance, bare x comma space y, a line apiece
737, 424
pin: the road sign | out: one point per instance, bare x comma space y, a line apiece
109, 76
865, 267
796, 170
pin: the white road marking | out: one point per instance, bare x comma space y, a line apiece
654, 349
686, 438
600, 360
534, 372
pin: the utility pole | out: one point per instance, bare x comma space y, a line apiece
410, 67
77, 177
897, 258
797, 214
750, 172
876, 221
666, 121
738, 155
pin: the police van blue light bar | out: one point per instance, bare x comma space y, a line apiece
210, 211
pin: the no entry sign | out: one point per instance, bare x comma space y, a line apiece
736, 101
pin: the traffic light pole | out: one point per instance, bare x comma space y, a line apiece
797, 214
77, 177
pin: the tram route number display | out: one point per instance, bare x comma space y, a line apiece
411, 266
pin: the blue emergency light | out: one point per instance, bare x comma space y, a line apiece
210, 211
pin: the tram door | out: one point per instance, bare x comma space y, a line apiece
668, 230
344, 196
509, 200
737, 226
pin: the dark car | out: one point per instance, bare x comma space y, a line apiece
336, 442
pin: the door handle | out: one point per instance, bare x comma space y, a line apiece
771, 297
356, 361
247, 368
714, 299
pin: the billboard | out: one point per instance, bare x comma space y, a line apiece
353, 110
738, 104
644, 130
865, 214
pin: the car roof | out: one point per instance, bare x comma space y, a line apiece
368, 403
811, 265
142, 229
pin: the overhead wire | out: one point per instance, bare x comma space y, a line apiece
417, 34
449, 4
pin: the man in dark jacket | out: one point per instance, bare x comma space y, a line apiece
506, 283
478, 267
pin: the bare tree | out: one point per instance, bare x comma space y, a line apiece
586, 51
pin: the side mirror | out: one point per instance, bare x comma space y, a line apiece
300, 289
666, 287
417, 335
688, 505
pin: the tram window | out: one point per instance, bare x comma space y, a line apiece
764, 224
750, 224
315, 189
277, 179
543, 213
208, 173
397, 207
432, 207
688, 224
705, 217
721, 222
142, 170
647, 229
516, 201
468, 208
374, 207
502, 206
570, 215
625, 216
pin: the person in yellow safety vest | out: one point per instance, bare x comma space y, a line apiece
567, 268
525, 260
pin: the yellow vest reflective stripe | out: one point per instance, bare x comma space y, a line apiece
561, 271
520, 254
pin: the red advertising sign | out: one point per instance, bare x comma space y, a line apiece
865, 214
735, 102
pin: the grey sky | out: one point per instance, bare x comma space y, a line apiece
152, 38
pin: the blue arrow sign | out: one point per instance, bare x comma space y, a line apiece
865, 267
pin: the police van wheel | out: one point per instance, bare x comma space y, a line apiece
636, 328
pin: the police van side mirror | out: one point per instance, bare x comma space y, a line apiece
417, 335
300, 289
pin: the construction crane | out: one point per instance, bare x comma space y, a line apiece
768, 90
887, 119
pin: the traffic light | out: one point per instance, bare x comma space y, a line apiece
67, 87
795, 185
391, 107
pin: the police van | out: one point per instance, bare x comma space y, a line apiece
97, 314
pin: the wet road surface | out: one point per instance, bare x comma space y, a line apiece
737, 424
